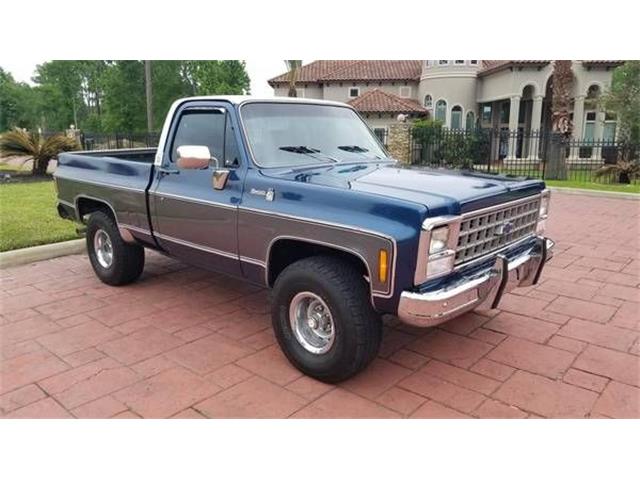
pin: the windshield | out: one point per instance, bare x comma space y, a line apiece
290, 134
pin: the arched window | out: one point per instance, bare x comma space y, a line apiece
456, 117
428, 101
470, 121
441, 111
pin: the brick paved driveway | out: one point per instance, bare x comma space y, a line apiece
185, 343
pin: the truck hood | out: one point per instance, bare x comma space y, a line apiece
441, 191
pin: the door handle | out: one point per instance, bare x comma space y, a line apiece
162, 171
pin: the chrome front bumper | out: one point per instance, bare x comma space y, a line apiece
481, 290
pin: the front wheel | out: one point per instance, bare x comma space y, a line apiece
323, 318
114, 261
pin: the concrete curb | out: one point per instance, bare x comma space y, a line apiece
596, 193
22, 256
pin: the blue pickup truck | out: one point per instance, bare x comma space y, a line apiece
299, 196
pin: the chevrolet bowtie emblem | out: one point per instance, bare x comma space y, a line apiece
503, 229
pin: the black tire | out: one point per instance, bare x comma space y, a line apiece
358, 328
128, 260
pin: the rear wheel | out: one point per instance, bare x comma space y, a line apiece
114, 261
323, 318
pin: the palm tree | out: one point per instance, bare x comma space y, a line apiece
562, 82
20, 143
292, 67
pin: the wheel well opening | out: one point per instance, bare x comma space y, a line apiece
286, 251
87, 206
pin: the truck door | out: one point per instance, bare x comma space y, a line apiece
192, 220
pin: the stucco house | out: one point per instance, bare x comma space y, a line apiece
506, 95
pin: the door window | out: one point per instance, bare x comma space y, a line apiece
201, 127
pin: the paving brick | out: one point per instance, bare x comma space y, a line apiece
546, 397
599, 263
140, 345
73, 320
532, 357
83, 357
433, 409
627, 316
460, 377
494, 409
380, 376
394, 340
20, 398
309, 388
339, 403
523, 327
594, 312
128, 415
464, 324
568, 289
568, 344
451, 348
80, 337
189, 414
209, 353
408, 359
630, 294
122, 312
166, 393
444, 392
70, 306
619, 366
614, 277
597, 334
492, 369
488, 336
271, 364
252, 398
260, 340
402, 401
45, 408
585, 380
229, 375
618, 401
522, 305
19, 349
25, 369
105, 407
192, 333
27, 329
152, 366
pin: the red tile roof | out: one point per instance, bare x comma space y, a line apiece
493, 66
352, 70
379, 101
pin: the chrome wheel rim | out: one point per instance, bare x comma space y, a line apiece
312, 322
103, 248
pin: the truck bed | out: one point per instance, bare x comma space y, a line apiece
120, 178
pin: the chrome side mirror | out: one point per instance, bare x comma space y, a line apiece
193, 157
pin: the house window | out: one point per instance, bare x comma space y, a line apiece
459, 62
428, 101
354, 92
300, 92
609, 133
504, 112
443, 62
456, 117
590, 126
486, 113
381, 133
405, 92
441, 111
470, 121
473, 62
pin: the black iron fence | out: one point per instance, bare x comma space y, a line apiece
108, 141
537, 154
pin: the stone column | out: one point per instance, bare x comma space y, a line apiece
578, 125
598, 135
399, 141
514, 115
536, 122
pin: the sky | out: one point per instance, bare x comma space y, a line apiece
260, 70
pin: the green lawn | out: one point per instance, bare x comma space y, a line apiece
607, 187
28, 216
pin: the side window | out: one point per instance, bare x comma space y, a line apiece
231, 151
201, 127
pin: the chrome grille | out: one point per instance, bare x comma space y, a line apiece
491, 229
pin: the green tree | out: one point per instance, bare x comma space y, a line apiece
18, 104
124, 100
623, 98
63, 80
216, 77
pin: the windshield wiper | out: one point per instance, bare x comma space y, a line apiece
304, 150
357, 149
